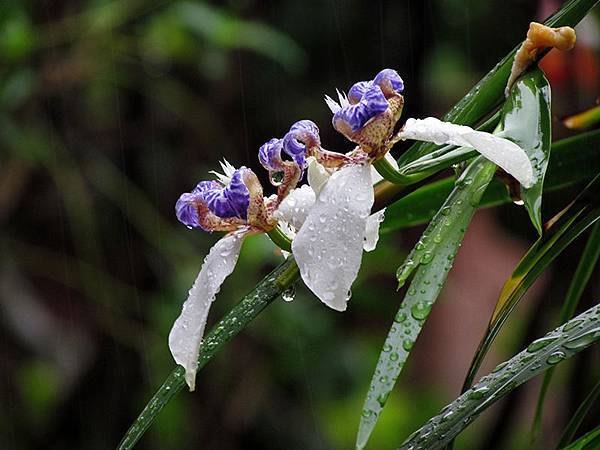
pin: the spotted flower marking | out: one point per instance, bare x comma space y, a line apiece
368, 114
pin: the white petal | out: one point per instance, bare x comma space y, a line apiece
228, 171
328, 248
372, 230
502, 152
376, 176
332, 104
186, 335
295, 207
317, 175
343, 98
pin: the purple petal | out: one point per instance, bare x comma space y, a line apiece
389, 80
230, 201
186, 211
358, 90
356, 116
269, 154
185, 208
294, 142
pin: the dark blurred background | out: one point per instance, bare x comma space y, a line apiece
110, 109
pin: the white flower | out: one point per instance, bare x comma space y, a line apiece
334, 227
502, 152
187, 332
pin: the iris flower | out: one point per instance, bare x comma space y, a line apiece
329, 220
328, 246
233, 203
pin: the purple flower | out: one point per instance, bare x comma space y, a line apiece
365, 101
302, 134
269, 155
229, 201
185, 208
389, 81
355, 116
294, 144
357, 91
225, 201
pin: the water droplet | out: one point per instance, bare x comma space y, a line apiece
540, 343
407, 345
381, 399
289, 294
426, 258
573, 324
366, 413
584, 340
479, 392
394, 356
420, 310
387, 348
383, 379
400, 317
556, 357
447, 416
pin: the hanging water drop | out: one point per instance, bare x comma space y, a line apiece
289, 294
556, 357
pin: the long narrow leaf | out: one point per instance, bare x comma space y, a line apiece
585, 268
282, 278
542, 354
589, 441
432, 259
565, 228
578, 417
526, 120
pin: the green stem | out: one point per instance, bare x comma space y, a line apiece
393, 175
280, 239
282, 278
439, 159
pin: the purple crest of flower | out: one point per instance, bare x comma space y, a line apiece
269, 154
372, 103
185, 208
358, 90
229, 201
389, 80
293, 141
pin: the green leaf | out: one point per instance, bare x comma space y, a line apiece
489, 92
431, 258
578, 417
585, 268
563, 229
589, 441
572, 161
282, 278
542, 354
526, 120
